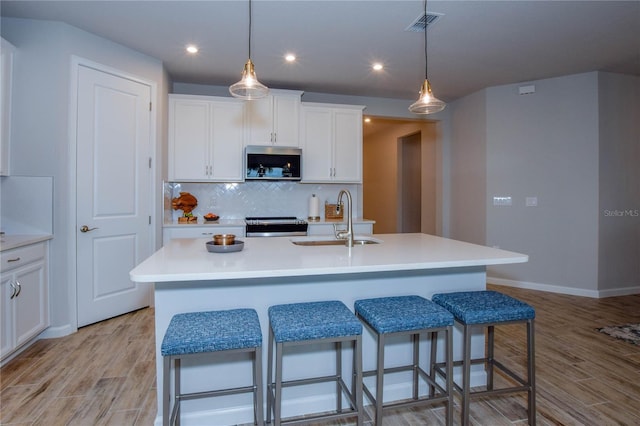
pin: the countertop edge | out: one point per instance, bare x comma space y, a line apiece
10, 242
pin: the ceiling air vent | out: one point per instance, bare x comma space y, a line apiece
419, 23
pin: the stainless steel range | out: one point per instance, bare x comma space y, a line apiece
275, 226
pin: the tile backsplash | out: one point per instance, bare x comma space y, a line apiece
239, 200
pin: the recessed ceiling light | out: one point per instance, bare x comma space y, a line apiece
290, 57
377, 66
192, 48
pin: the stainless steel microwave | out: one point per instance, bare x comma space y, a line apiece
273, 163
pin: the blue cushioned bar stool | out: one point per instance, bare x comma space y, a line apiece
202, 334
488, 309
410, 316
314, 323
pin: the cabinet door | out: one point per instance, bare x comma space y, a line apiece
286, 122
274, 120
347, 145
6, 315
227, 145
316, 132
189, 122
260, 120
31, 314
6, 72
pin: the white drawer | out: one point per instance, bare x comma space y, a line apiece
11, 259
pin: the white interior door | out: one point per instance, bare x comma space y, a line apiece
113, 193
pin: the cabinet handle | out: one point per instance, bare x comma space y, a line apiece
19, 288
13, 290
15, 259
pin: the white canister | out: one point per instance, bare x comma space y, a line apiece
314, 208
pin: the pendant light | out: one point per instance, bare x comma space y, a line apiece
249, 87
426, 103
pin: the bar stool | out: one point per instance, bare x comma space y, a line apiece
202, 334
412, 316
313, 323
488, 309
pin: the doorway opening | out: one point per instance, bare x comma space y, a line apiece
401, 174
410, 183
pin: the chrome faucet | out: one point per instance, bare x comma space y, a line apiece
341, 234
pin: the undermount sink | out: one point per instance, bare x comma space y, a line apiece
319, 241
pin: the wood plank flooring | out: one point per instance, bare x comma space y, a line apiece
105, 373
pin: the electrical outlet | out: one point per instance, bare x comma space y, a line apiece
531, 201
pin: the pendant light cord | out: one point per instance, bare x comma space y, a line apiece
426, 69
249, 29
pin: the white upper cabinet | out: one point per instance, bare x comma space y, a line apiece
6, 71
274, 120
331, 140
206, 139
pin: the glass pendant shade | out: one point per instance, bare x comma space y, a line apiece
427, 103
248, 87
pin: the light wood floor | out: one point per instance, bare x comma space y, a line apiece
105, 373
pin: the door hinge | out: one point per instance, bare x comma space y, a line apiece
149, 162
149, 220
150, 106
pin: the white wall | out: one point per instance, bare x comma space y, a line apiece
573, 144
619, 191
545, 144
468, 170
40, 127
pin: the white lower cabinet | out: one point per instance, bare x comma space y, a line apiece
331, 143
194, 231
24, 308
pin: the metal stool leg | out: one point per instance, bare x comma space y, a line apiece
257, 385
166, 394
277, 413
380, 380
357, 389
270, 376
531, 376
466, 375
175, 418
449, 369
490, 356
432, 361
338, 348
415, 338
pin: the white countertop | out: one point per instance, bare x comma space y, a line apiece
187, 259
11, 241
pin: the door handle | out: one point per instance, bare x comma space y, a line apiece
85, 228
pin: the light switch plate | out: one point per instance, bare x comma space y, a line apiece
502, 201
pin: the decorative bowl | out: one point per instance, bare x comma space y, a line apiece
224, 239
229, 248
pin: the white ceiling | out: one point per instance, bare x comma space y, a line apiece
476, 44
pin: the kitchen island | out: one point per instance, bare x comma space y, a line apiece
272, 271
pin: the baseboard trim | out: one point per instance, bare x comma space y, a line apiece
596, 294
55, 332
